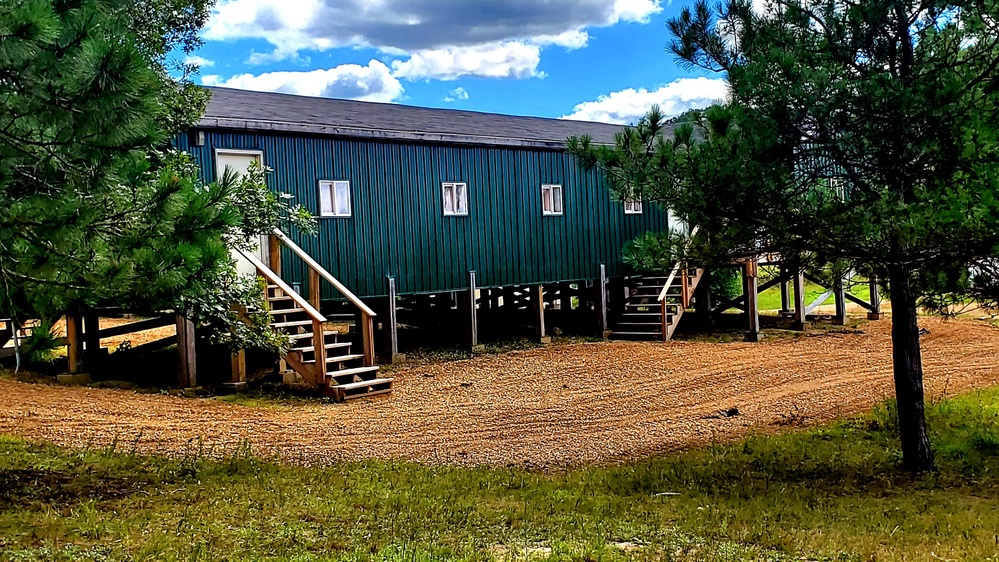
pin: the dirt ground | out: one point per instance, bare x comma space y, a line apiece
545, 408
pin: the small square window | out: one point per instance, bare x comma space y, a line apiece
334, 198
551, 199
632, 206
455, 198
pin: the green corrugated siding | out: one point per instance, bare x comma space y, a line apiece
398, 227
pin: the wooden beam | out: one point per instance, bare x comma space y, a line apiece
274, 253
472, 317
393, 325
799, 302
315, 289
785, 297
132, 327
538, 313
874, 313
92, 337
839, 292
187, 372
74, 343
600, 287
702, 301
238, 367
751, 291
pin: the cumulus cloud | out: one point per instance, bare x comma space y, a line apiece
511, 59
456, 94
432, 33
201, 62
627, 106
373, 82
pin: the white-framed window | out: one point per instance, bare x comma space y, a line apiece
551, 199
334, 198
455, 198
633, 206
237, 159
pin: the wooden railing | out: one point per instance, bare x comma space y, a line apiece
317, 272
679, 269
318, 320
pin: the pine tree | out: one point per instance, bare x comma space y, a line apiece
859, 135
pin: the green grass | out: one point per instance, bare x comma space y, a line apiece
829, 493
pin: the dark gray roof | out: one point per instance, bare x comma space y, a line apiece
262, 111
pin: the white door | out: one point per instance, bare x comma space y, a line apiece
240, 161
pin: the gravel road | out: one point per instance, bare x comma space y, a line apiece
546, 408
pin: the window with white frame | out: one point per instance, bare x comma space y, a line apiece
334, 198
633, 206
551, 199
455, 198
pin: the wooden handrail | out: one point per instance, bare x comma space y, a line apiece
676, 270
275, 279
365, 309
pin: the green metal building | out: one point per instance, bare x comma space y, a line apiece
427, 195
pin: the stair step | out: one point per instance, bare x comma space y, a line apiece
637, 336
640, 326
362, 384
641, 315
277, 311
333, 345
291, 324
294, 337
280, 298
351, 372
339, 359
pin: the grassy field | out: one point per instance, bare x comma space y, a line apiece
829, 493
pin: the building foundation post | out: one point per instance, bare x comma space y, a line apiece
749, 288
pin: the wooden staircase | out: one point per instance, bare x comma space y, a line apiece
322, 351
653, 305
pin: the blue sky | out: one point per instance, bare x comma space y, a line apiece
602, 60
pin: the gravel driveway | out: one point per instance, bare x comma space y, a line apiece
545, 408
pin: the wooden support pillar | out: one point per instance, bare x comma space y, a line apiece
393, 325
800, 322
702, 302
472, 316
839, 293
600, 290
237, 376
74, 344
274, 253
315, 288
876, 313
187, 371
91, 338
538, 313
749, 288
785, 297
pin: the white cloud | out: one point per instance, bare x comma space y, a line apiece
440, 38
456, 94
627, 106
198, 61
373, 82
511, 59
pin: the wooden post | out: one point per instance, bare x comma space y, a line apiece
800, 322
91, 338
600, 286
785, 297
538, 313
749, 287
274, 253
472, 318
393, 325
702, 301
876, 313
187, 372
315, 288
238, 368
839, 292
74, 344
